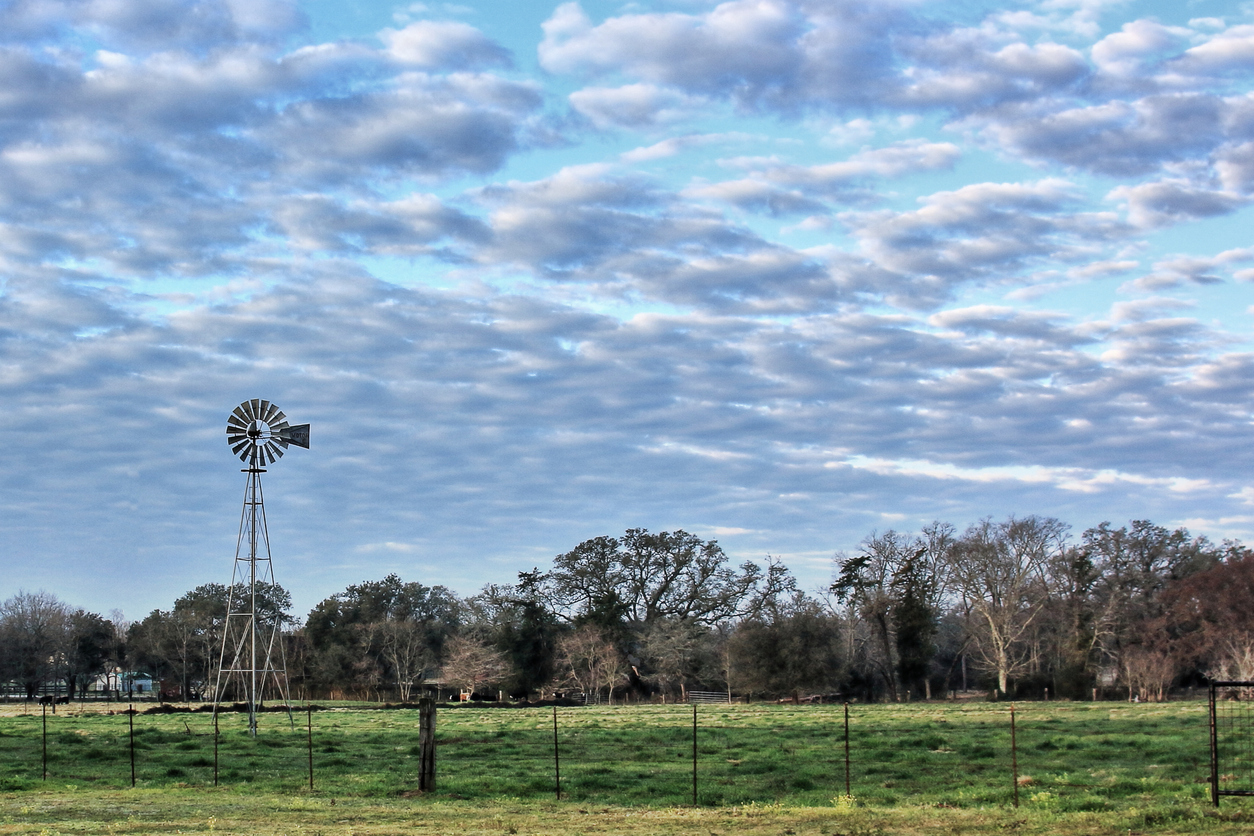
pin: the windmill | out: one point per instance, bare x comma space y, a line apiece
252, 657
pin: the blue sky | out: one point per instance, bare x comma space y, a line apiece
779, 273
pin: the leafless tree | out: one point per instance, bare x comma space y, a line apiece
471, 662
1000, 570
406, 649
590, 661
674, 649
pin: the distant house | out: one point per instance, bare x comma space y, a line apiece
109, 682
118, 681
134, 682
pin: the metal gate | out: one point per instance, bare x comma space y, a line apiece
1231, 739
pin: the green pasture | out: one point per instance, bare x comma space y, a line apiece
1098, 762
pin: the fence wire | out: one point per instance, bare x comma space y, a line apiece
1079, 756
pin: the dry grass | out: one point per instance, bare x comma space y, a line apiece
132, 813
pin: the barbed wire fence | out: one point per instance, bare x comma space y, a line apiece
710, 754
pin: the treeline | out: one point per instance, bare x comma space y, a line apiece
1017, 607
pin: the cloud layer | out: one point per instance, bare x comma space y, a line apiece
790, 270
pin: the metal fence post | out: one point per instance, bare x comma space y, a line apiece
557, 761
694, 754
1214, 749
45, 743
130, 716
309, 728
215, 749
848, 794
1014, 755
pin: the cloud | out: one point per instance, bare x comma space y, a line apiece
761, 53
165, 25
1166, 202
1182, 270
199, 203
1118, 138
633, 105
791, 189
444, 45
981, 232
1231, 50
174, 163
1129, 53
622, 234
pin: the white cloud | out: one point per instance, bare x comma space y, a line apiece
1165, 202
444, 45
633, 105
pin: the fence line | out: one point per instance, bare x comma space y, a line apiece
879, 754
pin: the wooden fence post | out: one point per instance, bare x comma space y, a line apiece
426, 745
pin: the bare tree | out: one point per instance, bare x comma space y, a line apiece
590, 661
674, 650
471, 662
1000, 571
1150, 671
406, 649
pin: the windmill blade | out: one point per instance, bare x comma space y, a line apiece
238, 413
297, 434
255, 403
233, 440
273, 451
247, 408
235, 421
273, 414
239, 450
263, 410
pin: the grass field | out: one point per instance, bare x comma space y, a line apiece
1082, 767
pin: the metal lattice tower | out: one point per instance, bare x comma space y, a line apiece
252, 662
